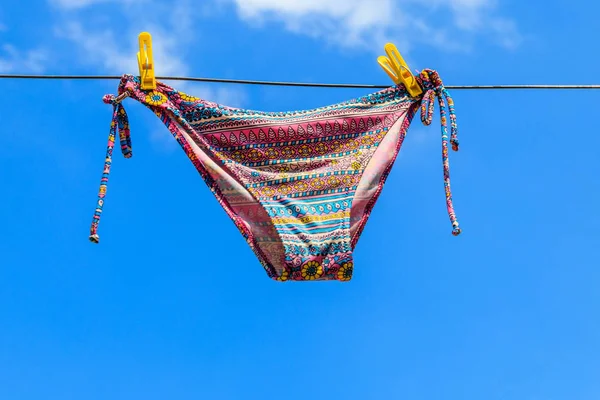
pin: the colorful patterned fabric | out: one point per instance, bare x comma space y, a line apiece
299, 185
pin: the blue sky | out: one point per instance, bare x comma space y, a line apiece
173, 304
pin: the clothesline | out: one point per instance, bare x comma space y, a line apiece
301, 84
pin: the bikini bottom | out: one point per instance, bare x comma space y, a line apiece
299, 185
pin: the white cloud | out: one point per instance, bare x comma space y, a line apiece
507, 33
479, 16
13, 60
101, 47
342, 21
105, 49
369, 23
77, 4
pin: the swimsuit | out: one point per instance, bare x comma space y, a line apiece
299, 185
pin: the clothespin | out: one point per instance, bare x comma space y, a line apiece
146, 62
397, 69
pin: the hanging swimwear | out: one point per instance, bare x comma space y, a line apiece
299, 185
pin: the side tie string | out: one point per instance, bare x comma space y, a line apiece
434, 88
120, 122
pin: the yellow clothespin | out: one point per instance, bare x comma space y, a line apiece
146, 62
397, 69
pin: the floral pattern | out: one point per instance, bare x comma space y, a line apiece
155, 98
284, 276
344, 273
312, 270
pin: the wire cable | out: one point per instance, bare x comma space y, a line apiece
301, 84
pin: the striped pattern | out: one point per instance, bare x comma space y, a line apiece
299, 185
